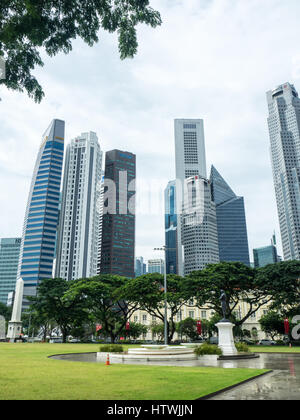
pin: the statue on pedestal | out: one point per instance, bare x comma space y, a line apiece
223, 300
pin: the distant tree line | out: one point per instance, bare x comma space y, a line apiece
76, 307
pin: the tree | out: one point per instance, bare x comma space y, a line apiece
49, 304
236, 279
135, 330
103, 299
27, 26
272, 323
5, 311
188, 327
147, 292
282, 282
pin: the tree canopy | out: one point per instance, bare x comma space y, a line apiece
29, 26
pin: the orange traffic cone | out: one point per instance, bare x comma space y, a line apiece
107, 361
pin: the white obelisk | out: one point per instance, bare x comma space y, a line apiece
15, 324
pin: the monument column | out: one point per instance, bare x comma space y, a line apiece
15, 324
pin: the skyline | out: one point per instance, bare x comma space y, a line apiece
134, 108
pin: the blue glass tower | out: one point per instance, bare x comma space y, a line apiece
231, 221
41, 218
171, 228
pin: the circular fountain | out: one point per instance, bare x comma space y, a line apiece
151, 353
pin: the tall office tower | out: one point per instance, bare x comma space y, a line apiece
171, 228
9, 260
118, 225
156, 266
284, 130
190, 161
199, 226
77, 250
140, 267
231, 221
265, 255
41, 217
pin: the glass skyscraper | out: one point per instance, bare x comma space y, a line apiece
41, 217
265, 255
118, 222
231, 221
171, 228
9, 259
284, 130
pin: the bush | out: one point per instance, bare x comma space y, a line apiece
242, 348
207, 349
111, 348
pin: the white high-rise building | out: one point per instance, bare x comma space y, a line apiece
199, 225
284, 130
190, 161
77, 248
156, 266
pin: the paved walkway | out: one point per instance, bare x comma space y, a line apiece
281, 384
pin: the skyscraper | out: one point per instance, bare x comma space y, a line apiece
118, 224
265, 255
140, 267
190, 161
9, 259
199, 226
171, 228
77, 250
284, 130
41, 217
231, 221
156, 266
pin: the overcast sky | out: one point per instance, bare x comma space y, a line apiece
211, 59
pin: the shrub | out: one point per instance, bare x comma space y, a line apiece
207, 349
242, 348
111, 348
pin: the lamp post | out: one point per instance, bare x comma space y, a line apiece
165, 293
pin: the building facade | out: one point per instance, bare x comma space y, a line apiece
118, 223
77, 248
9, 260
156, 266
231, 221
171, 228
265, 255
140, 267
199, 226
284, 131
37, 249
190, 160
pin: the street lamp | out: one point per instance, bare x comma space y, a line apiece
164, 248
165, 292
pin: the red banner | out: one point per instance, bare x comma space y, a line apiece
286, 326
127, 326
98, 327
199, 327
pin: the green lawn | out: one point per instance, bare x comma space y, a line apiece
274, 349
27, 373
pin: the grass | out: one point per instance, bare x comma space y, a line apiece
27, 374
274, 349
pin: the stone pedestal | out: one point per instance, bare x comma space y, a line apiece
14, 330
226, 341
